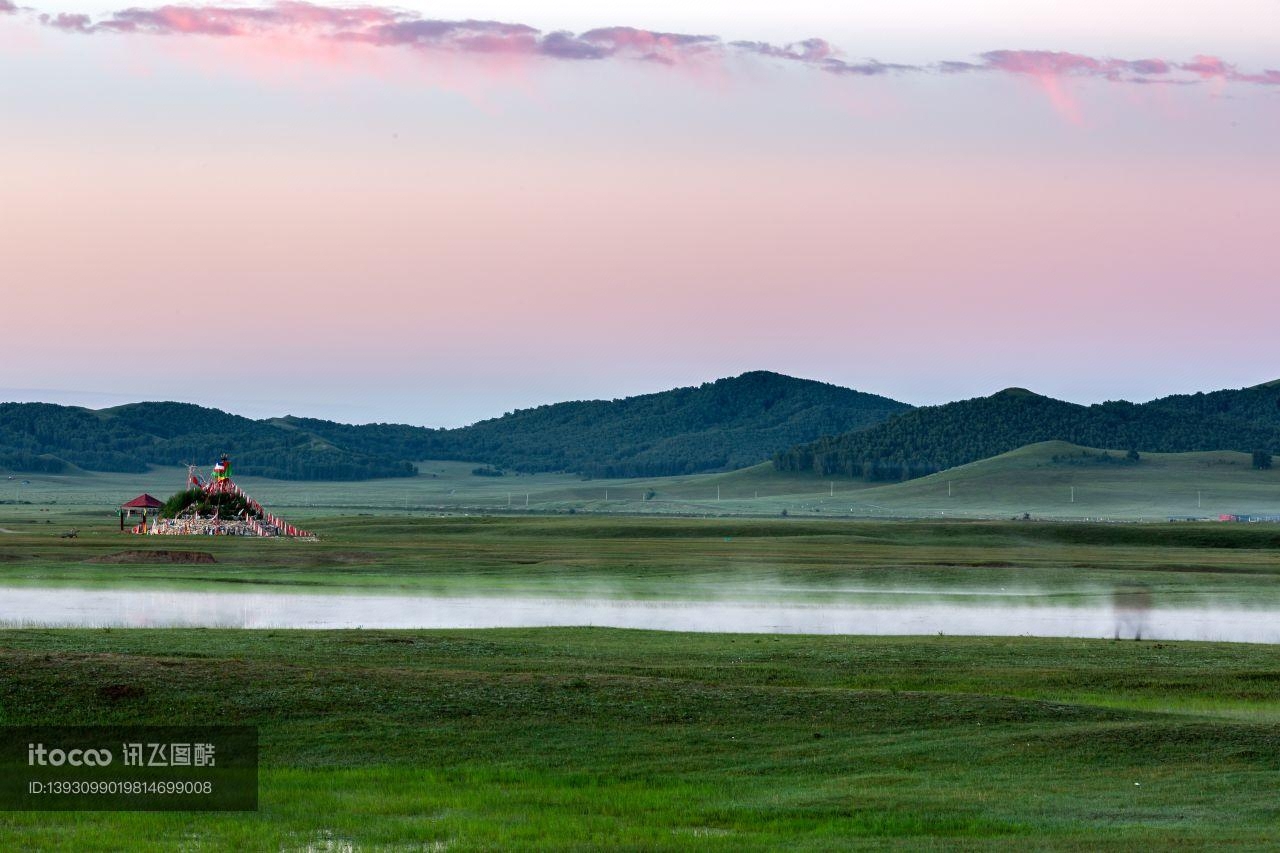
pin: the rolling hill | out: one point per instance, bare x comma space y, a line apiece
730, 424
934, 438
1055, 479
41, 437
727, 424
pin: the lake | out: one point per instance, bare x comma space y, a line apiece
1017, 616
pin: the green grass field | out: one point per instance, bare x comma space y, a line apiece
605, 739
588, 738
1158, 487
681, 558
1026, 480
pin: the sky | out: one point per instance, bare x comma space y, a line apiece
440, 212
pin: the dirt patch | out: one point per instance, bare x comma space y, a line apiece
155, 557
253, 581
116, 692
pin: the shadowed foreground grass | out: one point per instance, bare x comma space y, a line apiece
599, 738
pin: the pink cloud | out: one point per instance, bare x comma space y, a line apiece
291, 21
1047, 63
1053, 71
618, 39
810, 50
283, 17
68, 23
1207, 67
385, 27
1211, 68
1044, 64
491, 37
819, 53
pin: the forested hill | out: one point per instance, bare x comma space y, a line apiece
934, 438
729, 423
49, 438
725, 424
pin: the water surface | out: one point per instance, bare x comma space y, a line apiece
1017, 616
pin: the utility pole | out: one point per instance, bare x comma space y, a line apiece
526, 500
833, 488
1073, 494
948, 488
1199, 499
717, 493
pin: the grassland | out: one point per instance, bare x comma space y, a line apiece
1048, 480
637, 557
588, 738
1055, 479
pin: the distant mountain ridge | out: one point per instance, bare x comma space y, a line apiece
934, 438
729, 423
51, 438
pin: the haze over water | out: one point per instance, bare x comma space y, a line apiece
1015, 616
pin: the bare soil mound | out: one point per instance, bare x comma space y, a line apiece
155, 557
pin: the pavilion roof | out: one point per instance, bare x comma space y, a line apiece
143, 501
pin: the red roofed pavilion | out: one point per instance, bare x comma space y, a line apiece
143, 504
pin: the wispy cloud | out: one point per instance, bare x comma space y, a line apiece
7, 7
397, 28
387, 27
1211, 67
1050, 63
1051, 69
281, 18
1041, 63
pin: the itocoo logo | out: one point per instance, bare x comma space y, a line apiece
37, 754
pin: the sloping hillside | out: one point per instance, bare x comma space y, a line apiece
49, 438
1055, 479
935, 438
725, 424
730, 423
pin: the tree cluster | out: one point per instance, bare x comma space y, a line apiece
934, 438
48, 438
226, 505
719, 425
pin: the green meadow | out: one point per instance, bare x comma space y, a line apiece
582, 738
1050, 480
602, 739
675, 558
